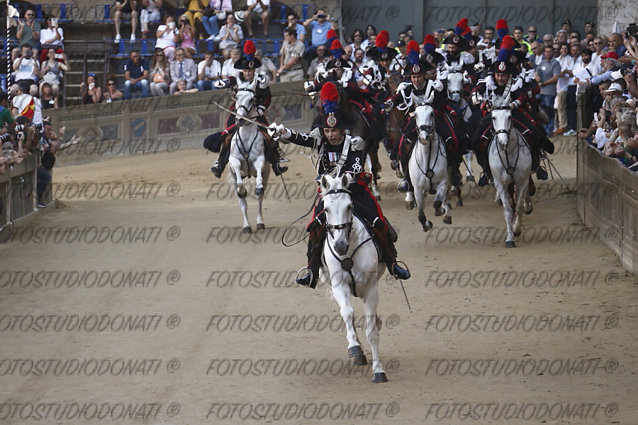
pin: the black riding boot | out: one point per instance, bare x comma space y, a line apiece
273, 156
224, 153
316, 238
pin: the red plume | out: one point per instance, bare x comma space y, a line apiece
249, 48
507, 43
386, 34
336, 44
501, 24
331, 34
429, 39
329, 93
462, 24
413, 46
381, 41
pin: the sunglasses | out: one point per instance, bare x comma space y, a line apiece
160, 54
110, 84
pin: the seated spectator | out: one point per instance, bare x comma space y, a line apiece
371, 34
47, 99
182, 87
135, 75
6, 119
267, 68
194, 14
26, 105
228, 68
51, 70
125, 7
291, 52
160, 74
257, 10
357, 40
318, 25
187, 35
91, 92
51, 37
230, 35
150, 12
347, 52
318, 63
182, 68
208, 71
28, 32
292, 22
27, 70
167, 37
112, 93
216, 12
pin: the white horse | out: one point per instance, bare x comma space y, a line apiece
456, 79
510, 160
247, 153
429, 171
352, 265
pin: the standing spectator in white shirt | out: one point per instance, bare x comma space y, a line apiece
257, 9
51, 37
208, 71
566, 64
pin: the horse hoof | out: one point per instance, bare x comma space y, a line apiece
459, 203
241, 193
530, 209
355, 351
379, 377
247, 229
438, 212
427, 226
510, 244
447, 220
410, 205
261, 226
259, 191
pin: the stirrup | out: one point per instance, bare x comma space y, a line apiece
309, 277
402, 265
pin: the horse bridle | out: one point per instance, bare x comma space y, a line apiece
429, 173
252, 102
346, 263
506, 164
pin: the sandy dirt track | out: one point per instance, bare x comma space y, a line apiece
210, 327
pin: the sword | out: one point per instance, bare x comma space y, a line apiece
250, 120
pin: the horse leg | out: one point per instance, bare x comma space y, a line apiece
235, 165
507, 212
419, 199
372, 330
457, 193
259, 180
341, 294
521, 200
373, 171
469, 175
443, 195
242, 204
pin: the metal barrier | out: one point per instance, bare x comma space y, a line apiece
607, 200
17, 195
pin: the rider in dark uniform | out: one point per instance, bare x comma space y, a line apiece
248, 64
502, 83
340, 153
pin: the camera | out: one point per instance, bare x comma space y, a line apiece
20, 127
5, 138
54, 22
322, 16
59, 56
28, 54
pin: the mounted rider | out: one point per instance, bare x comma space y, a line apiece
422, 83
337, 153
504, 81
248, 64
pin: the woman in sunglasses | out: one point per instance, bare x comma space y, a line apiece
112, 93
160, 76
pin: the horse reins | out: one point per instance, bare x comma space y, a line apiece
506, 164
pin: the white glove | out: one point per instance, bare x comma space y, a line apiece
279, 131
514, 105
309, 86
367, 80
220, 84
261, 110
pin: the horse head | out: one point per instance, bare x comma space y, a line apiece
245, 101
502, 119
338, 206
424, 117
455, 82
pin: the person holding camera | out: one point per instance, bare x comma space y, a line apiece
50, 143
318, 25
91, 92
51, 37
167, 37
27, 71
